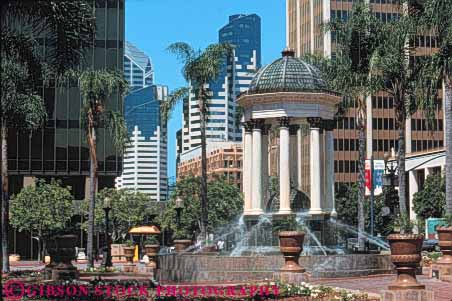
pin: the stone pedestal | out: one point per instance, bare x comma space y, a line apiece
408, 295
441, 271
64, 271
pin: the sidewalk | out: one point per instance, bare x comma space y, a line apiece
375, 284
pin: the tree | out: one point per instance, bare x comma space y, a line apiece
128, 209
431, 200
68, 27
349, 73
200, 68
96, 87
43, 209
347, 208
227, 207
436, 17
401, 75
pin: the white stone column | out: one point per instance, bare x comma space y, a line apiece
265, 167
284, 167
299, 159
413, 188
257, 168
247, 167
293, 155
329, 166
315, 172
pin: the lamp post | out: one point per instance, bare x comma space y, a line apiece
107, 250
178, 207
389, 178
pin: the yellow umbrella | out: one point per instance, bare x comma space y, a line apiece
146, 230
143, 230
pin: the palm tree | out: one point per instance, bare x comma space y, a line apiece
349, 73
400, 74
67, 26
436, 17
96, 87
199, 69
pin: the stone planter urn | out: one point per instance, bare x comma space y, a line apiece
291, 245
406, 256
129, 252
54, 258
65, 253
445, 243
152, 251
182, 244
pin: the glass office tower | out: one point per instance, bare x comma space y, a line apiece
145, 158
59, 149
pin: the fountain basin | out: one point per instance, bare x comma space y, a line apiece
192, 268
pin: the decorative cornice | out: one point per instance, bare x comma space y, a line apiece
248, 126
315, 122
284, 121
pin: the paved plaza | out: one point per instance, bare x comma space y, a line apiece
375, 284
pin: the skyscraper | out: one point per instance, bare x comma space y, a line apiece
59, 150
138, 70
244, 32
145, 159
304, 35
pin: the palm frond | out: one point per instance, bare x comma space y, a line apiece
167, 105
116, 124
183, 51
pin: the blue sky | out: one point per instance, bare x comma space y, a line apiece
154, 24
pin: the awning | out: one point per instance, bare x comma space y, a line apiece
145, 230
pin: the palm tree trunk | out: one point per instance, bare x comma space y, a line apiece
204, 212
401, 168
448, 143
92, 192
362, 176
5, 200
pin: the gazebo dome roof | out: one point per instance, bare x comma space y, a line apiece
287, 74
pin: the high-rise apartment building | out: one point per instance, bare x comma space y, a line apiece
138, 70
59, 150
145, 158
304, 35
244, 32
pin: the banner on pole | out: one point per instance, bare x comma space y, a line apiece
379, 169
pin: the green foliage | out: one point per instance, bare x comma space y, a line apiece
226, 205
448, 218
69, 27
431, 200
288, 223
404, 225
128, 209
347, 208
44, 209
129, 243
152, 240
182, 234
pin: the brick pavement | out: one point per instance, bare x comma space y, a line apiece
375, 284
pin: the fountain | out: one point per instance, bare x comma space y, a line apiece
287, 108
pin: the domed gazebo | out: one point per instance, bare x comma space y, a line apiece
287, 94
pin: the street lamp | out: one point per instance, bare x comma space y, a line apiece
107, 250
178, 207
389, 178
